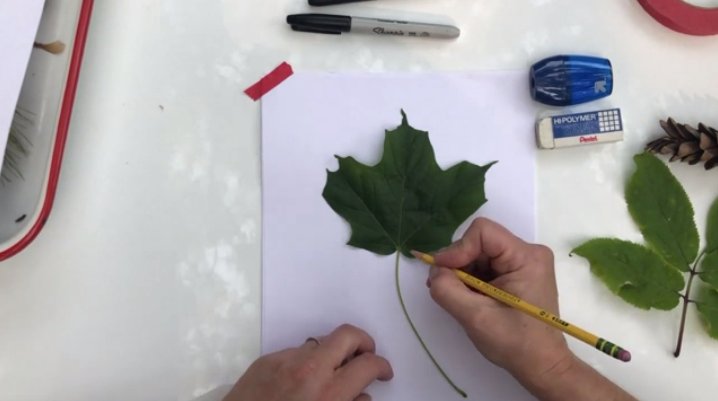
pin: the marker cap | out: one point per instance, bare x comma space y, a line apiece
320, 23
566, 80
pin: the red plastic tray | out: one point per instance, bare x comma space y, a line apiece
48, 94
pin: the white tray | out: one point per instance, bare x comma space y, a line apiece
48, 93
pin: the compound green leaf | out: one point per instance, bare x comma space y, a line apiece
709, 268
709, 265
406, 201
634, 272
664, 214
707, 306
712, 228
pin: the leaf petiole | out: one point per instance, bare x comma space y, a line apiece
687, 300
413, 328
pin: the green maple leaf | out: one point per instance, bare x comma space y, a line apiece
664, 214
406, 202
634, 272
707, 306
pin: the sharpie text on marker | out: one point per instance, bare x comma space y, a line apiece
338, 24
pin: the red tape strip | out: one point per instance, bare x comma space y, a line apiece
270, 81
683, 17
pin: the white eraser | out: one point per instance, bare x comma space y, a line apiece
579, 129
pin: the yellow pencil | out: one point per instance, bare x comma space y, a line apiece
548, 318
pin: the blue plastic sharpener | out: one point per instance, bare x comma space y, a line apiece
566, 80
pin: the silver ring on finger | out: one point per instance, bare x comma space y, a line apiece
314, 339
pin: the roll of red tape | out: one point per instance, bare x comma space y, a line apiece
683, 17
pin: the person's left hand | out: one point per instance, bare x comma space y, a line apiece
339, 367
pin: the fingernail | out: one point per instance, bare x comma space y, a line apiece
416, 254
433, 272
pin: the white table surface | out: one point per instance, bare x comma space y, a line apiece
145, 283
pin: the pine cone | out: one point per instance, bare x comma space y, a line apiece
687, 144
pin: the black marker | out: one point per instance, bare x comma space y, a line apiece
338, 24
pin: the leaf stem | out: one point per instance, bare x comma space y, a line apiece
413, 328
687, 300
677, 353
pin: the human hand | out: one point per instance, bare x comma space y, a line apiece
339, 367
523, 345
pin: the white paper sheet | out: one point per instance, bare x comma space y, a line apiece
313, 281
19, 20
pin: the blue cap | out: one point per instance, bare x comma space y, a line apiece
566, 80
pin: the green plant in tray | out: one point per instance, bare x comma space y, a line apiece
17, 147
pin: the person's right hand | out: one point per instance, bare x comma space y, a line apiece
526, 347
